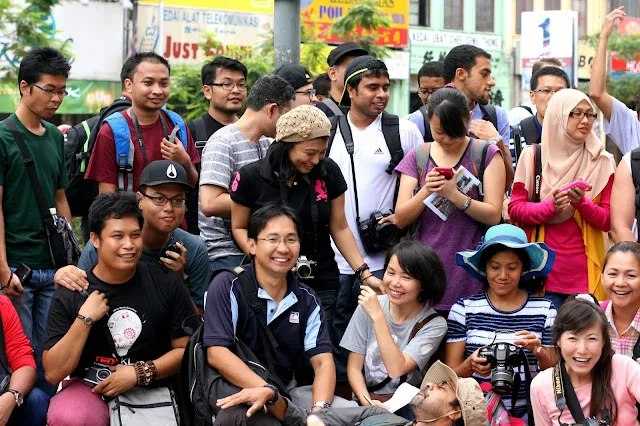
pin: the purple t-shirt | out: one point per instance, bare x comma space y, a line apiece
459, 232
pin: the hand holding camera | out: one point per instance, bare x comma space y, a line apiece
479, 365
95, 307
121, 379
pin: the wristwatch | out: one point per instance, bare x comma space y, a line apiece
276, 394
493, 141
86, 320
321, 404
18, 395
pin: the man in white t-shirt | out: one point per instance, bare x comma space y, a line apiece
366, 92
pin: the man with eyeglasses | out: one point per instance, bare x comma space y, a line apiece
162, 194
42, 79
430, 79
300, 79
230, 148
224, 85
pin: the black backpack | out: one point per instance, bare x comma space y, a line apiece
201, 385
78, 146
488, 114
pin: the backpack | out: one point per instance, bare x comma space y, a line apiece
78, 145
635, 174
200, 384
390, 131
333, 107
124, 144
488, 114
478, 159
200, 137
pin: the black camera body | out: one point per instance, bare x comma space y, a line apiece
503, 358
95, 375
378, 237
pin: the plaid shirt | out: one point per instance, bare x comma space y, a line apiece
623, 343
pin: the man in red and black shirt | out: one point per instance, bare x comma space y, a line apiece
146, 80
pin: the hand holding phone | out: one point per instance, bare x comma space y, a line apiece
23, 273
580, 184
447, 172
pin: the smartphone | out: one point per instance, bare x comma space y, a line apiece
585, 186
23, 273
172, 136
174, 248
447, 172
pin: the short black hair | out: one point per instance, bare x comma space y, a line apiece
451, 107
264, 214
373, 72
132, 62
431, 69
544, 62
268, 89
42, 60
462, 56
113, 205
210, 69
322, 84
422, 263
549, 71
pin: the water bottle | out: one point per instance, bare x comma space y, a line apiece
54, 215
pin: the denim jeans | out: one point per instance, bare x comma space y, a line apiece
33, 411
227, 262
346, 304
557, 299
33, 308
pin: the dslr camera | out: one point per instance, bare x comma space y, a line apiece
378, 237
95, 375
304, 268
503, 358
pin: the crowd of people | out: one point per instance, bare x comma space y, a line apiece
327, 251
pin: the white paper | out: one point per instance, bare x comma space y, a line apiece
401, 397
442, 207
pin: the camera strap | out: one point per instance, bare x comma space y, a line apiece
347, 137
517, 382
562, 383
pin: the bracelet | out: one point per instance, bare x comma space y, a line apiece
146, 372
467, 204
8, 282
361, 269
366, 278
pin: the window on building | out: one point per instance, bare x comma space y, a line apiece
552, 5
630, 7
484, 15
522, 6
453, 15
420, 13
580, 6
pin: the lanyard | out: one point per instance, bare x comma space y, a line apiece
139, 133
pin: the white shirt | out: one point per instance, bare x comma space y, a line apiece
627, 160
375, 187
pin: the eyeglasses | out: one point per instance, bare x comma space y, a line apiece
60, 93
425, 93
591, 116
547, 91
310, 93
161, 200
290, 241
228, 86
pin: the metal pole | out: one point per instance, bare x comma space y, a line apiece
286, 34
160, 44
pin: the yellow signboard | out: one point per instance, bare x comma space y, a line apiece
258, 6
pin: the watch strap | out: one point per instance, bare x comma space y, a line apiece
17, 395
321, 404
86, 320
276, 394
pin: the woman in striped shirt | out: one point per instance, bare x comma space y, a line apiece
505, 261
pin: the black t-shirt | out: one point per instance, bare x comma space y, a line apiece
145, 314
211, 125
259, 185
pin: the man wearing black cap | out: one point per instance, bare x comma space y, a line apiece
378, 141
163, 188
338, 60
300, 79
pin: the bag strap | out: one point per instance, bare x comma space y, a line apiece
31, 170
416, 328
391, 133
427, 127
489, 113
537, 180
517, 142
635, 174
333, 106
201, 130
422, 160
530, 130
479, 149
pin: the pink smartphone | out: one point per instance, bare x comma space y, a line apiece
447, 172
585, 186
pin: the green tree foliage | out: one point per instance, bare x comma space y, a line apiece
22, 28
361, 24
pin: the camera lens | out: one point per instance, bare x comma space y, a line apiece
103, 374
304, 270
388, 234
502, 380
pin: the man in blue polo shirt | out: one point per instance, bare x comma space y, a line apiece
294, 316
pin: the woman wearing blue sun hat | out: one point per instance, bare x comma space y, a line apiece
506, 310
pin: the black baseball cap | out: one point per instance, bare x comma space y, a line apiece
297, 76
357, 66
164, 171
345, 49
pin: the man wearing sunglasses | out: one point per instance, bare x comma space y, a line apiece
163, 190
300, 79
